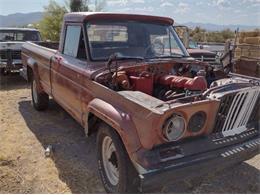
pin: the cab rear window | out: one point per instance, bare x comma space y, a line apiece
107, 33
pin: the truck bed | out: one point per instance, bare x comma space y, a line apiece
39, 49
47, 49
50, 45
40, 53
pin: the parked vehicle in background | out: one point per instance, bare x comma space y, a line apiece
242, 55
217, 48
11, 41
160, 116
196, 50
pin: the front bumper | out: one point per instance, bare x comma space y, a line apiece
229, 152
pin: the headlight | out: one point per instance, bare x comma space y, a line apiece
174, 127
197, 121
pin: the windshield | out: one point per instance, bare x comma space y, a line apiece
11, 35
133, 39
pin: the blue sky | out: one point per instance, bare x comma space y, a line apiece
205, 11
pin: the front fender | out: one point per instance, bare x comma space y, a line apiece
121, 121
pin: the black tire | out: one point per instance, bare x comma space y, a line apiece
128, 179
40, 100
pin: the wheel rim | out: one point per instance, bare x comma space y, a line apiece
110, 160
34, 88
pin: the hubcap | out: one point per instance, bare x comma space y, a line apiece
34, 88
110, 160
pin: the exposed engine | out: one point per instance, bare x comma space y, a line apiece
163, 81
164, 87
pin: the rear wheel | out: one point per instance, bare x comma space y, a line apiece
115, 168
40, 100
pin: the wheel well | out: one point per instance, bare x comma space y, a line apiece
29, 73
92, 124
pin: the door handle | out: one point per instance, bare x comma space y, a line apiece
58, 59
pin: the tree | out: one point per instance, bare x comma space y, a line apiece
227, 34
50, 25
215, 37
201, 35
78, 5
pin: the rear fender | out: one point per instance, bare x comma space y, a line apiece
34, 66
119, 120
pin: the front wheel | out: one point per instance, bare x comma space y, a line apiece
115, 168
40, 100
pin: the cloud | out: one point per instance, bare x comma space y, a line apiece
166, 4
124, 10
123, 2
182, 8
222, 3
144, 9
208, 11
137, 10
237, 11
137, 1
117, 2
251, 1
199, 3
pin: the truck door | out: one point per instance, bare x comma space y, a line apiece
67, 71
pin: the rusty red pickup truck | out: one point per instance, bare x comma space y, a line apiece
159, 116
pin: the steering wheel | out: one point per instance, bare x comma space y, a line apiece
156, 48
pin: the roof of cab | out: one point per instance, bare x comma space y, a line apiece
82, 16
18, 29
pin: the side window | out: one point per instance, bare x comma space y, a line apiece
74, 42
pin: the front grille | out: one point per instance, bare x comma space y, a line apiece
15, 54
209, 58
236, 110
255, 116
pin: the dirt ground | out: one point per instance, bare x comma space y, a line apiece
25, 133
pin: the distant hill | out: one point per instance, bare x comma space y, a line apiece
216, 27
20, 19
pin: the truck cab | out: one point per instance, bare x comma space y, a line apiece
11, 41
